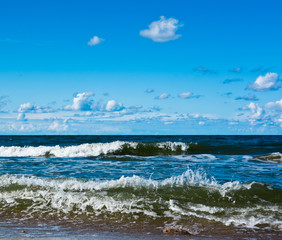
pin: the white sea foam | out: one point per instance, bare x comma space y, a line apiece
83, 150
235, 216
188, 177
173, 145
90, 197
197, 157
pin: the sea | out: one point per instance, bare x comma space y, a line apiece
141, 187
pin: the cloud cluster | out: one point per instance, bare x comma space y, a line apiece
81, 102
30, 108
256, 111
162, 30
112, 105
268, 115
84, 102
265, 83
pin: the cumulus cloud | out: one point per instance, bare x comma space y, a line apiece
81, 102
29, 107
162, 30
231, 80
163, 96
204, 70
270, 115
276, 106
26, 107
149, 90
250, 97
112, 105
267, 82
94, 41
85, 102
187, 95
256, 111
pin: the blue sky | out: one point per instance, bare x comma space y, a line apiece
140, 67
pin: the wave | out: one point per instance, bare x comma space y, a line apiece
178, 198
97, 149
128, 148
273, 157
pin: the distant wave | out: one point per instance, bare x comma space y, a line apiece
273, 157
127, 148
97, 149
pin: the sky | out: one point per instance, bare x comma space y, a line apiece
140, 67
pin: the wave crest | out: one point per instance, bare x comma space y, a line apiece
96, 149
191, 194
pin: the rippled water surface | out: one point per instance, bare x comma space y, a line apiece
130, 181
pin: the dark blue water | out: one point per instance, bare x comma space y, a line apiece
162, 180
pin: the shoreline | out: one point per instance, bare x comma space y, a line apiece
115, 230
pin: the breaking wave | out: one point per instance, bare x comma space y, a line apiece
177, 198
97, 149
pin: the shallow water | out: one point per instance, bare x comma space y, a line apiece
120, 183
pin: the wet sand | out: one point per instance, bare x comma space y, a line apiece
121, 230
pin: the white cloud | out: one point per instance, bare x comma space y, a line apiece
112, 105
277, 106
201, 123
81, 102
163, 96
56, 126
265, 83
21, 117
27, 127
26, 107
94, 41
255, 109
29, 107
187, 95
162, 30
